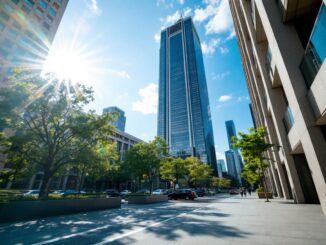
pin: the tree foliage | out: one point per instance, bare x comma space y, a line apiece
221, 182
253, 146
52, 131
200, 174
143, 160
173, 169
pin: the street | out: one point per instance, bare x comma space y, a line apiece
208, 220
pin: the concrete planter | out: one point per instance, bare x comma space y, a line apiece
147, 199
23, 210
261, 195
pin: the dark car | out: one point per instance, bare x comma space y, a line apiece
200, 192
112, 193
182, 194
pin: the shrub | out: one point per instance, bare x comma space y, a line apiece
260, 189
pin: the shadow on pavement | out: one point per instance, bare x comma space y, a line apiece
94, 227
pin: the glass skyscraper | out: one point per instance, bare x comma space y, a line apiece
184, 119
120, 119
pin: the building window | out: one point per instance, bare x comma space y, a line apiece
30, 3
43, 4
316, 49
288, 119
46, 25
52, 12
39, 11
49, 18
15, 1
4, 15
26, 9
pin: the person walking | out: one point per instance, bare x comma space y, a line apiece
249, 191
245, 192
241, 192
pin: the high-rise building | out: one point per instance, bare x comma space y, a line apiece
230, 158
222, 163
283, 50
231, 132
184, 119
120, 118
221, 167
27, 29
236, 159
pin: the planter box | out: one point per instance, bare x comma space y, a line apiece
147, 199
22, 210
261, 195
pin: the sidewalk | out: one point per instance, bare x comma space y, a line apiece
276, 222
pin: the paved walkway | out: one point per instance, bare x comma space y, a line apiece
214, 220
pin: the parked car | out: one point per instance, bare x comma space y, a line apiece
160, 192
233, 191
200, 192
125, 193
183, 194
31, 193
112, 192
144, 191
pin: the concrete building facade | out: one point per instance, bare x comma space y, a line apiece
27, 29
282, 45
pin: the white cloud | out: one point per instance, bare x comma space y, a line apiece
171, 19
225, 98
220, 155
210, 47
220, 76
222, 20
224, 50
187, 12
148, 102
93, 7
243, 98
181, 2
157, 37
203, 14
122, 74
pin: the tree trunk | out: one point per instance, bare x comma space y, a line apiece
44, 190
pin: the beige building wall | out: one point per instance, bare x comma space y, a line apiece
271, 41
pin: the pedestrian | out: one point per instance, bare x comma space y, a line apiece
241, 192
249, 191
245, 192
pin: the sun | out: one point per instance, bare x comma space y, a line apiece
69, 63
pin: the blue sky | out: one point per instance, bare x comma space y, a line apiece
120, 42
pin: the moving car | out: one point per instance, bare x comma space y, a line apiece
125, 193
233, 191
183, 194
200, 192
112, 193
159, 192
144, 191
31, 193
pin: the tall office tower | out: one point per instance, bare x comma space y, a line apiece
283, 52
231, 163
120, 122
222, 163
221, 167
231, 132
27, 29
184, 119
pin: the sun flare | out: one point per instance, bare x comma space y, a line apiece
68, 63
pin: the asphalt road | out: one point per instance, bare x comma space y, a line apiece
175, 222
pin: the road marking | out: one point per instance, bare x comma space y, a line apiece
114, 238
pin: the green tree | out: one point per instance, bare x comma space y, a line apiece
173, 169
200, 174
53, 131
221, 182
253, 146
143, 160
